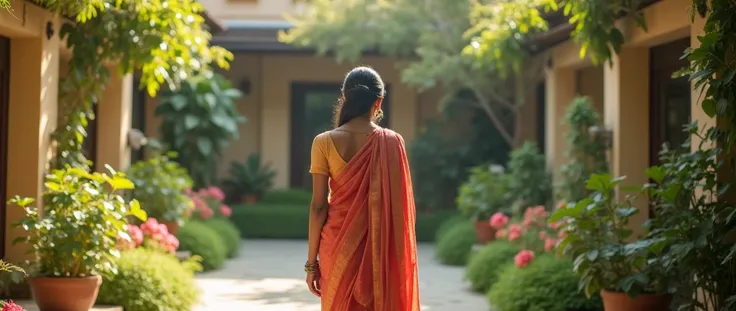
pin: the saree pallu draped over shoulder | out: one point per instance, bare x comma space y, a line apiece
368, 244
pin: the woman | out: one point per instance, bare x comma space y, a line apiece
362, 215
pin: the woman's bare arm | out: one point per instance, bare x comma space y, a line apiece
317, 214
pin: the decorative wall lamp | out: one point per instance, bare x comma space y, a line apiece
245, 86
603, 133
136, 139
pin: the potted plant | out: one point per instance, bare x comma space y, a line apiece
250, 180
484, 194
598, 237
161, 187
74, 236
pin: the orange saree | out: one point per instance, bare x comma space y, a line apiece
368, 244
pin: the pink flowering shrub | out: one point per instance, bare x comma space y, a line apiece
208, 202
11, 306
532, 233
150, 234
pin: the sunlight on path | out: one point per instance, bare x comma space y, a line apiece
268, 276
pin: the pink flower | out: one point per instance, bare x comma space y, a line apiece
515, 228
172, 241
549, 244
226, 210
514, 235
523, 258
562, 234
216, 192
500, 234
561, 205
12, 306
542, 235
199, 203
499, 220
136, 234
555, 225
206, 213
163, 229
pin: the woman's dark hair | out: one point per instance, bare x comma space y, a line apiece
360, 90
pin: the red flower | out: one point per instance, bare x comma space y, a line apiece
499, 220
12, 306
523, 258
549, 244
226, 210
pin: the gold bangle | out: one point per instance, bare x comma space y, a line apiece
311, 268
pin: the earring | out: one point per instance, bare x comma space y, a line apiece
379, 114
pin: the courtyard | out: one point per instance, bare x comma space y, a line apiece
268, 276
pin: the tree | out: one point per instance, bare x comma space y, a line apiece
429, 37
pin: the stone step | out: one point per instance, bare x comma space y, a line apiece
31, 306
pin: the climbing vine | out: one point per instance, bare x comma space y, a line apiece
166, 40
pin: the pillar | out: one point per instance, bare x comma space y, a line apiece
560, 89
626, 113
114, 123
32, 112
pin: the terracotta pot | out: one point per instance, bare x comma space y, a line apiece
172, 226
65, 294
251, 199
615, 301
484, 232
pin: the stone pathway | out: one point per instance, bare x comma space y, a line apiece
268, 276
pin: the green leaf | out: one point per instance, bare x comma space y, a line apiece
709, 107
204, 145
136, 211
121, 183
656, 173
190, 122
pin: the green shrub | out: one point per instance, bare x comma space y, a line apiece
485, 266
547, 284
447, 224
291, 221
204, 242
455, 246
228, 233
288, 196
150, 280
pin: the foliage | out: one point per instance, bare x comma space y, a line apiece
597, 230
203, 241
150, 234
287, 196
444, 151
447, 224
485, 193
428, 37
251, 178
485, 266
81, 222
454, 247
586, 154
529, 181
228, 233
198, 120
10, 274
547, 284
693, 241
149, 280
165, 40
160, 187
287, 221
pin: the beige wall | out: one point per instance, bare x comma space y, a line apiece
624, 91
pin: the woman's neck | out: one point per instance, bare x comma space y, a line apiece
360, 125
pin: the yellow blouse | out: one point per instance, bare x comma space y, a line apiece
325, 158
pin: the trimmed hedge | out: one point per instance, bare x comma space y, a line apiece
455, 246
204, 242
547, 284
151, 280
485, 265
229, 234
291, 221
447, 224
288, 196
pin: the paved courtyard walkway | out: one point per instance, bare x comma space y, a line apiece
269, 276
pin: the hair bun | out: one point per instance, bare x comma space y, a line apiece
360, 88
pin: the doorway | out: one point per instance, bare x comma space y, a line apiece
669, 105
4, 111
312, 107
